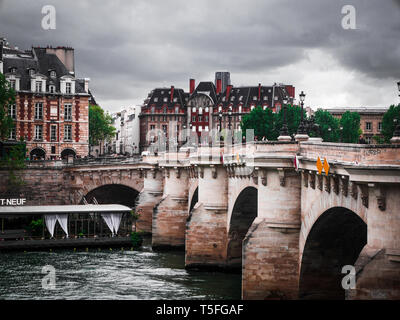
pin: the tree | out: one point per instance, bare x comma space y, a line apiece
328, 124
100, 125
350, 122
293, 118
7, 97
388, 123
261, 121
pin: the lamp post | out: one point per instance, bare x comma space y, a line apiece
220, 125
284, 129
301, 129
230, 122
396, 134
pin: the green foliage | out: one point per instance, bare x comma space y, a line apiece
134, 215
388, 123
14, 161
379, 140
7, 97
262, 121
100, 125
136, 239
350, 122
293, 118
328, 124
35, 227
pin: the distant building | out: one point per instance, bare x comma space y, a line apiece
51, 107
370, 120
198, 110
127, 137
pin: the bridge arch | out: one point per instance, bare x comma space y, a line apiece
113, 193
335, 240
68, 151
244, 212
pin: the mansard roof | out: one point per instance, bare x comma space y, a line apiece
156, 97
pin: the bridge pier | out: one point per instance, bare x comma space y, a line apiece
170, 213
206, 232
270, 265
148, 199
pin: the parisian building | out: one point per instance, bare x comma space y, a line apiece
51, 105
204, 107
370, 120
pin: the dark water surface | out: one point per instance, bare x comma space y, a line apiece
116, 274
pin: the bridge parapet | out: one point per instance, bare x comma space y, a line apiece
358, 154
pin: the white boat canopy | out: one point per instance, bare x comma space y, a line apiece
63, 209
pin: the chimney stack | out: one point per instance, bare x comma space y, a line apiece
259, 92
219, 86
192, 85
172, 93
228, 91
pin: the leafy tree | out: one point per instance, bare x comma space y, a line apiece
388, 123
350, 122
262, 121
100, 125
7, 97
293, 118
328, 124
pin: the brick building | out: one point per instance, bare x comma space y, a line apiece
370, 120
51, 107
198, 110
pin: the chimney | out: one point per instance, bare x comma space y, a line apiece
172, 93
259, 92
192, 85
219, 86
86, 84
228, 91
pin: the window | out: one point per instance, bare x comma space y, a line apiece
68, 132
254, 98
53, 74
39, 111
368, 126
265, 98
240, 98
68, 88
68, 112
164, 129
12, 84
175, 99
31, 72
380, 126
368, 139
152, 127
206, 118
165, 99
53, 133
152, 118
194, 119
233, 98
13, 70
12, 111
165, 110
53, 149
200, 118
156, 99
153, 110
39, 132
13, 134
52, 89
176, 109
38, 86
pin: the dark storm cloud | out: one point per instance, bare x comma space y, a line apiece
129, 47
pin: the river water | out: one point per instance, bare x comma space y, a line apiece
116, 274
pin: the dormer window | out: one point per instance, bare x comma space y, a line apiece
52, 89
165, 99
254, 98
175, 99
38, 86
53, 74
31, 72
265, 98
68, 88
240, 98
233, 98
156, 99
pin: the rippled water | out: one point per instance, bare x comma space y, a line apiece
111, 275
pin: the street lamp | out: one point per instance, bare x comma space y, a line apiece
220, 125
301, 129
396, 133
230, 120
284, 129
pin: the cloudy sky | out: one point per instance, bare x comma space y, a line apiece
127, 48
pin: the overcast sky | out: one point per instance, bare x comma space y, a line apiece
127, 48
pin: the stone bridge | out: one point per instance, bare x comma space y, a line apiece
289, 229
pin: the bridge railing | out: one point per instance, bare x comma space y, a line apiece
352, 153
